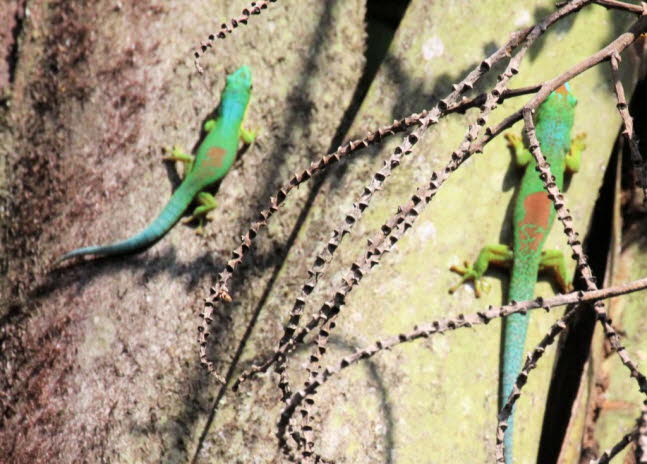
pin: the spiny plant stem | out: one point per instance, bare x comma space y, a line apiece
297, 179
332, 307
460, 321
220, 292
254, 9
639, 166
563, 214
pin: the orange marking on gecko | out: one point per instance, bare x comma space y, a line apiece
215, 157
562, 89
534, 224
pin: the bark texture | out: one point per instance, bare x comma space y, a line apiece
99, 360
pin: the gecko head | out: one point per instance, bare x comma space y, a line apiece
236, 95
241, 79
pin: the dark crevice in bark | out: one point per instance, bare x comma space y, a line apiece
12, 56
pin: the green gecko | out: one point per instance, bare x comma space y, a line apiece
214, 157
534, 214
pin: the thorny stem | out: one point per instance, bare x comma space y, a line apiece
402, 222
615, 47
289, 346
356, 273
639, 166
254, 9
638, 433
220, 291
529, 365
331, 308
288, 341
450, 104
609, 454
477, 147
402, 225
448, 324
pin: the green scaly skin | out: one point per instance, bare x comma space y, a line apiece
214, 157
534, 214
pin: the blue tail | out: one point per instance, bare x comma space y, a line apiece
514, 336
173, 210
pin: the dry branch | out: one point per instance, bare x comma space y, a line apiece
288, 342
253, 9
615, 449
563, 214
403, 222
630, 7
639, 165
448, 324
406, 216
220, 291
637, 434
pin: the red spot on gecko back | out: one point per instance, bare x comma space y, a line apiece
537, 206
562, 89
215, 157
534, 225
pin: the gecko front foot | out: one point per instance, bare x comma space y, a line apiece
514, 141
521, 154
177, 154
578, 142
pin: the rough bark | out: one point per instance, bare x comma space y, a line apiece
99, 359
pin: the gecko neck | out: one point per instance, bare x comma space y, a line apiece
232, 108
554, 123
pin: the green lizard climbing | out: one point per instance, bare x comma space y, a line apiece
534, 214
214, 157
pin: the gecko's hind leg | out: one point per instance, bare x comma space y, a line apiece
207, 203
499, 255
553, 261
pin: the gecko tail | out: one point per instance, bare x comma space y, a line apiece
171, 213
516, 327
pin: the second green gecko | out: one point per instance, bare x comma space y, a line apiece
214, 157
534, 215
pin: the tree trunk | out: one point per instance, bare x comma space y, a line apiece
100, 359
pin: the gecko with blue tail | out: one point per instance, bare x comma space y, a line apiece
534, 215
214, 157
